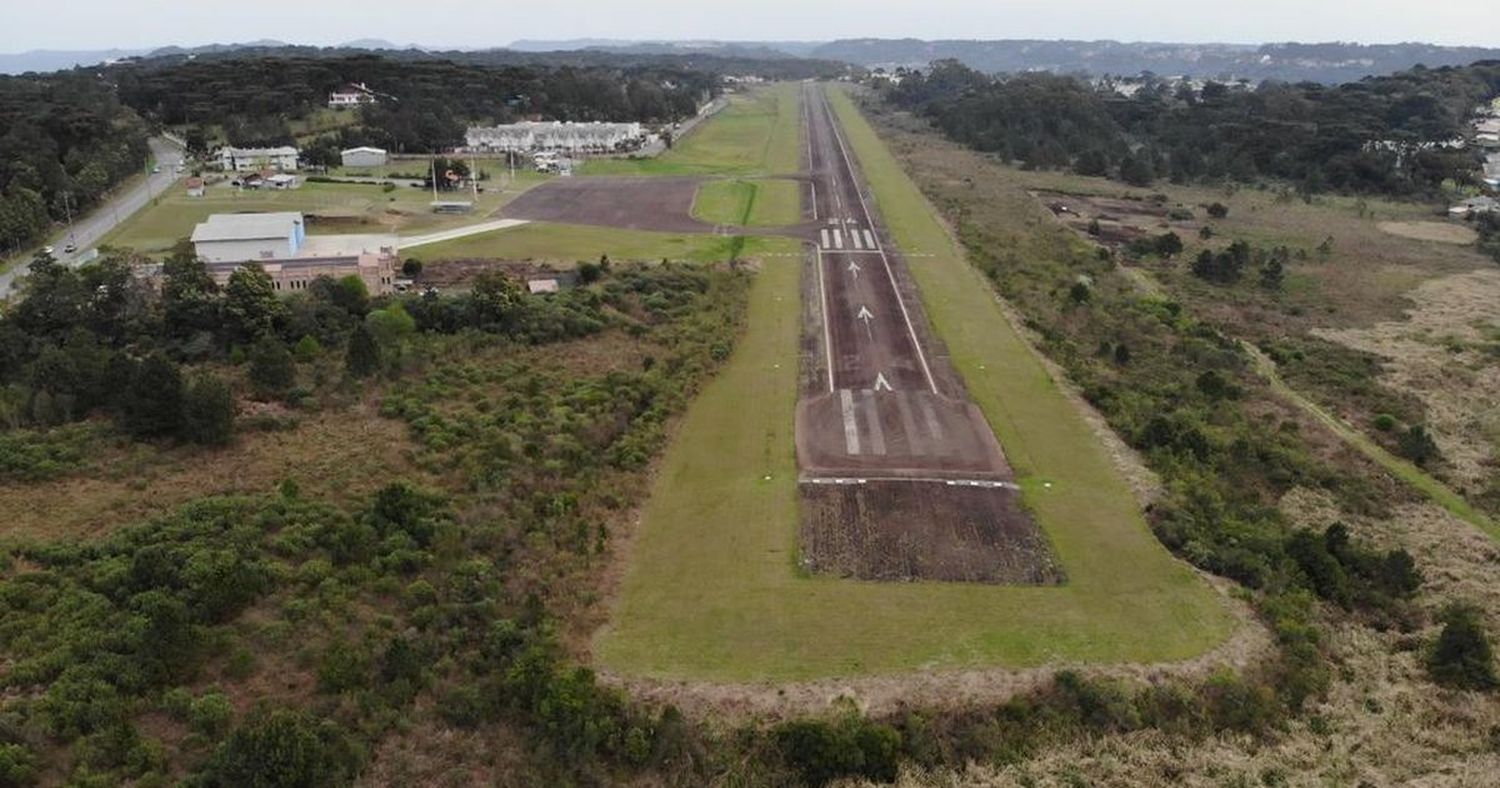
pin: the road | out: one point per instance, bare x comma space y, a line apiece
883, 405
91, 228
409, 241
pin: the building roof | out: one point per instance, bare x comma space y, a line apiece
346, 245
283, 150
281, 177
246, 226
542, 285
362, 149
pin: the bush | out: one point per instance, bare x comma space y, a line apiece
211, 714
283, 748
272, 371
851, 746
1418, 446
1218, 210
1462, 656
208, 411
1385, 422
411, 267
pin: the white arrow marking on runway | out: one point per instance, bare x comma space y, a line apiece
866, 315
881, 382
854, 269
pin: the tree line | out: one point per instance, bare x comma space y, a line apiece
424, 105
65, 140
1380, 135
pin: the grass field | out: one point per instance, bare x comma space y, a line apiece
569, 243
750, 203
759, 133
713, 593
367, 208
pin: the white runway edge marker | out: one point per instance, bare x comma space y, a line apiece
851, 424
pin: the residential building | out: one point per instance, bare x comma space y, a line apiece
1475, 206
552, 135
232, 159
351, 95
280, 180
280, 244
194, 187
363, 157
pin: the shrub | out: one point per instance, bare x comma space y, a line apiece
307, 348
411, 267
1218, 210
1418, 446
362, 359
208, 411
1385, 422
1462, 656
211, 714
851, 746
283, 748
272, 371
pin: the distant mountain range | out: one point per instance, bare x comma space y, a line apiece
1327, 62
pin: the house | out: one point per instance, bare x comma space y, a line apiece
1492, 170
363, 157
539, 286
552, 135
293, 259
280, 180
283, 159
194, 187
1475, 206
353, 94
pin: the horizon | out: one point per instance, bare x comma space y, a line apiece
97, 25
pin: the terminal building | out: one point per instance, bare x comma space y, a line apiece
280, 244
532, 136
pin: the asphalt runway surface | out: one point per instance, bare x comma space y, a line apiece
886, 404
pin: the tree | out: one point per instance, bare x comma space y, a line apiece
151, 406
390, 325
1462, 656
1417, 445
190, 298
1136, 171
497, 297
1272, 275
411, 267
208, 411
272, 370
1218, 210
363, 356
251, 308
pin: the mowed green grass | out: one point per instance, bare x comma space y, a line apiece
752, 203
369, 209
759, 133
713, 593
569, 243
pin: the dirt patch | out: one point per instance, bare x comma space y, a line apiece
1440, 232
633, 203
902, 531
455, 273
1446, 352
1115, 221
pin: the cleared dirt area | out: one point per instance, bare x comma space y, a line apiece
905, 530
633, 203
1441, 232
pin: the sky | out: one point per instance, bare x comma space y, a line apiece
131, 24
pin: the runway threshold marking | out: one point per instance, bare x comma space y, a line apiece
865, 208
851, 425
854, 236
825, 238
823, 305
838, 238
872, 415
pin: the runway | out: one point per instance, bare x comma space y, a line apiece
887, 404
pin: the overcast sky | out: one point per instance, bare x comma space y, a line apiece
100, 24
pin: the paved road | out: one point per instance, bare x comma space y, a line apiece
410, 241
88, 230
883, 404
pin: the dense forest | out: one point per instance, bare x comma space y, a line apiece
64, 141
424, 104
1374, 136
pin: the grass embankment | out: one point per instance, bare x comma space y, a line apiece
712, 591
759, 133
749, 203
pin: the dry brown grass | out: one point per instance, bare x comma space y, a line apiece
340, 455
1441, 353
1439, 232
